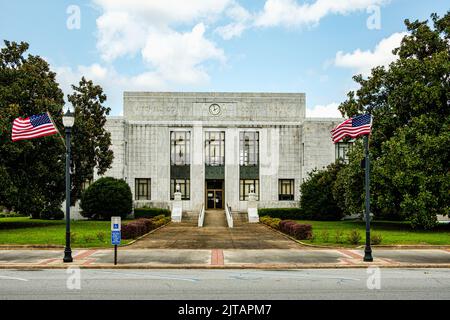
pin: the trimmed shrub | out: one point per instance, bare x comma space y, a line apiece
146, 212
105, 198
354, 237
139, 227
338, 236
54, 213
301, 231
271, 222
296, 230
284, 213
10, 215
376, 239
88, 238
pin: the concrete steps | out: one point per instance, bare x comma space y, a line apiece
215, 218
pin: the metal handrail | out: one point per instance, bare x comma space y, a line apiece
229, 216
201, 216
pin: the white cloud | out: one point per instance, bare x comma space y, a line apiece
147, 29
240, 18
324, 111
289, 13
364, 61
168, 12
178, 57
112, 82
119, 34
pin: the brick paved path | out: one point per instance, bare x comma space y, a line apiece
215, 235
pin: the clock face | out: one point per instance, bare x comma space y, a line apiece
214, 109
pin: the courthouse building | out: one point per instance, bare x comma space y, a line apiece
217, 147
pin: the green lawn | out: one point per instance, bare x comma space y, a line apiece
23, 230
391, 232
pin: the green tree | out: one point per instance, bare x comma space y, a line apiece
30, 170
32, 174
409, 141
91, 142
317, 199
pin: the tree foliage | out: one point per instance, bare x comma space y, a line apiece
317, 199
31, 171
105, 198
32, 174
91, 142
409, 102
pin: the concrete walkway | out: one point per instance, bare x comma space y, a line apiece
229, 258
215, 235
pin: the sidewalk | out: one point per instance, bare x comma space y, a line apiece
225, 258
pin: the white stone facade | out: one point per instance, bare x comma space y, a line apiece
289, 144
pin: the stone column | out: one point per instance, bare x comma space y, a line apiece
197, 168
232, 168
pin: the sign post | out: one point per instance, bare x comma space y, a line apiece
115, 235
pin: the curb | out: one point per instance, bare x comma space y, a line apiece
228, 267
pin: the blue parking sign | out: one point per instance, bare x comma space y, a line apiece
115, 238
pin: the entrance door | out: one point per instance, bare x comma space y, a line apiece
214, 194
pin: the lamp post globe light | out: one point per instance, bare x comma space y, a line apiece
68, 121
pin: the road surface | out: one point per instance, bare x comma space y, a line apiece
226, 284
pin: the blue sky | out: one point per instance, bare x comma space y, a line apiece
222, 45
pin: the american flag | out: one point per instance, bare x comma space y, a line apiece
36, 126
353, 127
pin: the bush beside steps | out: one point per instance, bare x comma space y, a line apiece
294, 229
139, 227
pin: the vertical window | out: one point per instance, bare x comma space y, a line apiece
245, 188
142, 189
286, 189
185, 188
249, 148
303, 153
215, 148
342, 149
180, 148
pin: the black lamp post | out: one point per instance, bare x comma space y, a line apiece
368, 249
68, 121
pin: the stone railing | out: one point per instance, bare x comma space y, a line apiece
229, 216
201, 217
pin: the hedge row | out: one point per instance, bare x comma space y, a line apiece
296, 230
150, 212
292, 228
139, 227
271, 222
284, 213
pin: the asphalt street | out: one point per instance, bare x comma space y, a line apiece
191, 284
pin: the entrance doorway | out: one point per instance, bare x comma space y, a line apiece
214, 194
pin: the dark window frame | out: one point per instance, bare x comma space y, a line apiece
286, 189
139, 184
212, 145
185, 188
180, 148
244, 191
249, 148
342, 149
